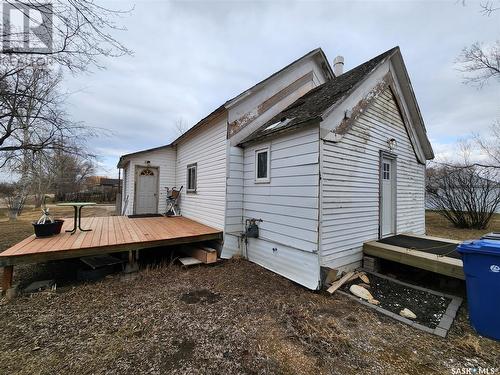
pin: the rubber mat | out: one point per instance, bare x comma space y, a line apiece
422, 244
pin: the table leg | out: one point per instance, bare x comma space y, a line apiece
8, 272
74, 224
80, 221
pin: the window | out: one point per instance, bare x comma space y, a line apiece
386, 171
262, 165
191, 178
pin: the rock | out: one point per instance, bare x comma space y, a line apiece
365, 278
374, 301
361, 292
407, 313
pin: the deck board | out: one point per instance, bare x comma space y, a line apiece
109, 234
418, 256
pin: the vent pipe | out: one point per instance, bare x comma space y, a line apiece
338, 66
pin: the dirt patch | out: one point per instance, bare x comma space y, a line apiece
202, 296
429, 308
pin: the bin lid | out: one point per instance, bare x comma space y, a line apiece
482, 246
491, 236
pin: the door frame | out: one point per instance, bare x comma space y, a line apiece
136, 179
394, 170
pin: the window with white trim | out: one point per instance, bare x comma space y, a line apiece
262, 162
191, 178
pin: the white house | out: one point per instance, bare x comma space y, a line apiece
327, 160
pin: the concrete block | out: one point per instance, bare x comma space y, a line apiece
440, 332
446, 322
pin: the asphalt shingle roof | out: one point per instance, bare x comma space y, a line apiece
312, 105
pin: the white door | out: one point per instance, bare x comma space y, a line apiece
146, 193
388, 197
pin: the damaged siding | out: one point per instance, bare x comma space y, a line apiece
288, 206
350, 180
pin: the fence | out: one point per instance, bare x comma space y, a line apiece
89, 196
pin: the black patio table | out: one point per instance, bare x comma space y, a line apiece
78, 214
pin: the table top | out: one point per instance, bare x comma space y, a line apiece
76, 204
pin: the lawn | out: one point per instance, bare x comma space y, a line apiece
234, 317
438, 226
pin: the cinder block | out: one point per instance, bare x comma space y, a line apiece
371, 264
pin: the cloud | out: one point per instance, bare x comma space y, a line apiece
190, 57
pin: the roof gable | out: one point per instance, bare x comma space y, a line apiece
318, 104
312, 105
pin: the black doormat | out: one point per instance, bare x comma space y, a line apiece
422, 244
144, 215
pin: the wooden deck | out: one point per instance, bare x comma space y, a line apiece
109, 235
423, 259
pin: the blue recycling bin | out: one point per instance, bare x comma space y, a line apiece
481, 260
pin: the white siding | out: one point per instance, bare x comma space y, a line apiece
288, 206
207, 148
234, 202
350, 184
164, 160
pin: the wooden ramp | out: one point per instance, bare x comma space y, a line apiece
428, 253
109, 235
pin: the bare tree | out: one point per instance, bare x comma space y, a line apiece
181, 126
480, 63
32, 118
490, 146
467, 196
489, 7
75, 33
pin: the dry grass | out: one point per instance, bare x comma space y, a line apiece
438, 226
231, 318
255, 322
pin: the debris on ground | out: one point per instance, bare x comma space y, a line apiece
360, 292
337, 284
236, 318
393, 296
407, 313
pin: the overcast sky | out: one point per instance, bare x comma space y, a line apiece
190, 57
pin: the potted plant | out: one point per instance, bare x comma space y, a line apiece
46, 226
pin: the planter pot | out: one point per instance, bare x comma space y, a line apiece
44, 230
58, 225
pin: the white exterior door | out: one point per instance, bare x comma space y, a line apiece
388, 197
146, 193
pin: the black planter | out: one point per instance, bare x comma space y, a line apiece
44, 230
58, 225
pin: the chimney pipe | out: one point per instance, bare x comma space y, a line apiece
338, 66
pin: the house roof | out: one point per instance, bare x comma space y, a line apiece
312, 105
229, 103
123, 158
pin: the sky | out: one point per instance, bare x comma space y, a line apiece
190, 57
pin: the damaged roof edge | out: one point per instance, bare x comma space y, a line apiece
236, 99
